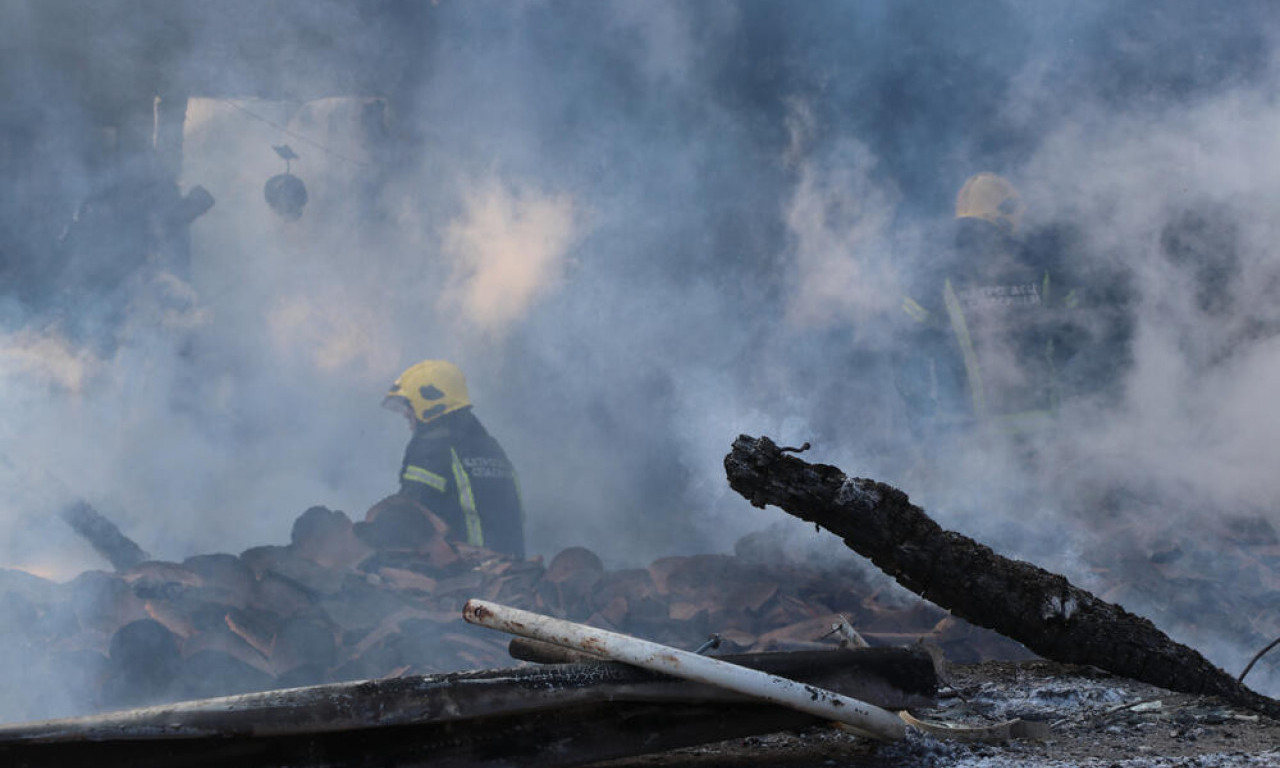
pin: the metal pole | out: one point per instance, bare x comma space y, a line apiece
865, 718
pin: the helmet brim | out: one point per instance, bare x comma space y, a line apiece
399, 404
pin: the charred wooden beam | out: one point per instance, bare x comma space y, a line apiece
121, 551
1040, 609
532, 716
552, 738
538, 652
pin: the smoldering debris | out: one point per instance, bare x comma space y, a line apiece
532, 716
346, 601
349, 601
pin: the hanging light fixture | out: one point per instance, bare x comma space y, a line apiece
284, 192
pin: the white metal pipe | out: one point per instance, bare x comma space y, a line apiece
863, 717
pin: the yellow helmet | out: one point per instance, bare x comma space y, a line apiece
991, 198
428, 391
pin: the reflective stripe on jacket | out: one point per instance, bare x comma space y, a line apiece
458, 471
1006, 326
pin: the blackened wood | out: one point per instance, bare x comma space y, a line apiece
552, 738
121, 551
531, 716
538, 652
1040, 609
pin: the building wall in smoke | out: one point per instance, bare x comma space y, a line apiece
93, 92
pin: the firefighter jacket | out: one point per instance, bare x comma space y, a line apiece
458, 471
987, 335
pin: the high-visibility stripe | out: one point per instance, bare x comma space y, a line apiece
475, 534
961, 329
913, 308
515, 478
426, 477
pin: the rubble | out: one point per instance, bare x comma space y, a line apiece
382, 602
350, 601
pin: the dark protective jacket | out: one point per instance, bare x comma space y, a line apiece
989, 331
458, 471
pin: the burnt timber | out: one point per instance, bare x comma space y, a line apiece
121, 551
533, 716
1040, 609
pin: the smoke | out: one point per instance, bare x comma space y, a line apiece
640, 229
47, 359
840, 220
1181, 209
1168, 198
508, 250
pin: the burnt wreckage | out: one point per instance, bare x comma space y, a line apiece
372, 634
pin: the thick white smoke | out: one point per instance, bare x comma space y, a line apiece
509, 250
641, 230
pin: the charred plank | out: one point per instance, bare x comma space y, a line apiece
552, 738
531, 716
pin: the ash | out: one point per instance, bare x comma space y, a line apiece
1093, 720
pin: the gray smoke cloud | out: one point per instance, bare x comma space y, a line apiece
640, 229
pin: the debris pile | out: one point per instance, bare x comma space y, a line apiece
367, 600
383, 602
350, 601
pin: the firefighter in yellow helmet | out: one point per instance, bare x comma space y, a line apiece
986, 321
990, 198
452, 465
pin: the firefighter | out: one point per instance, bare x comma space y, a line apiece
452, 466
984, 324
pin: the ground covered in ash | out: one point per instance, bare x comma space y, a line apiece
1093, 719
